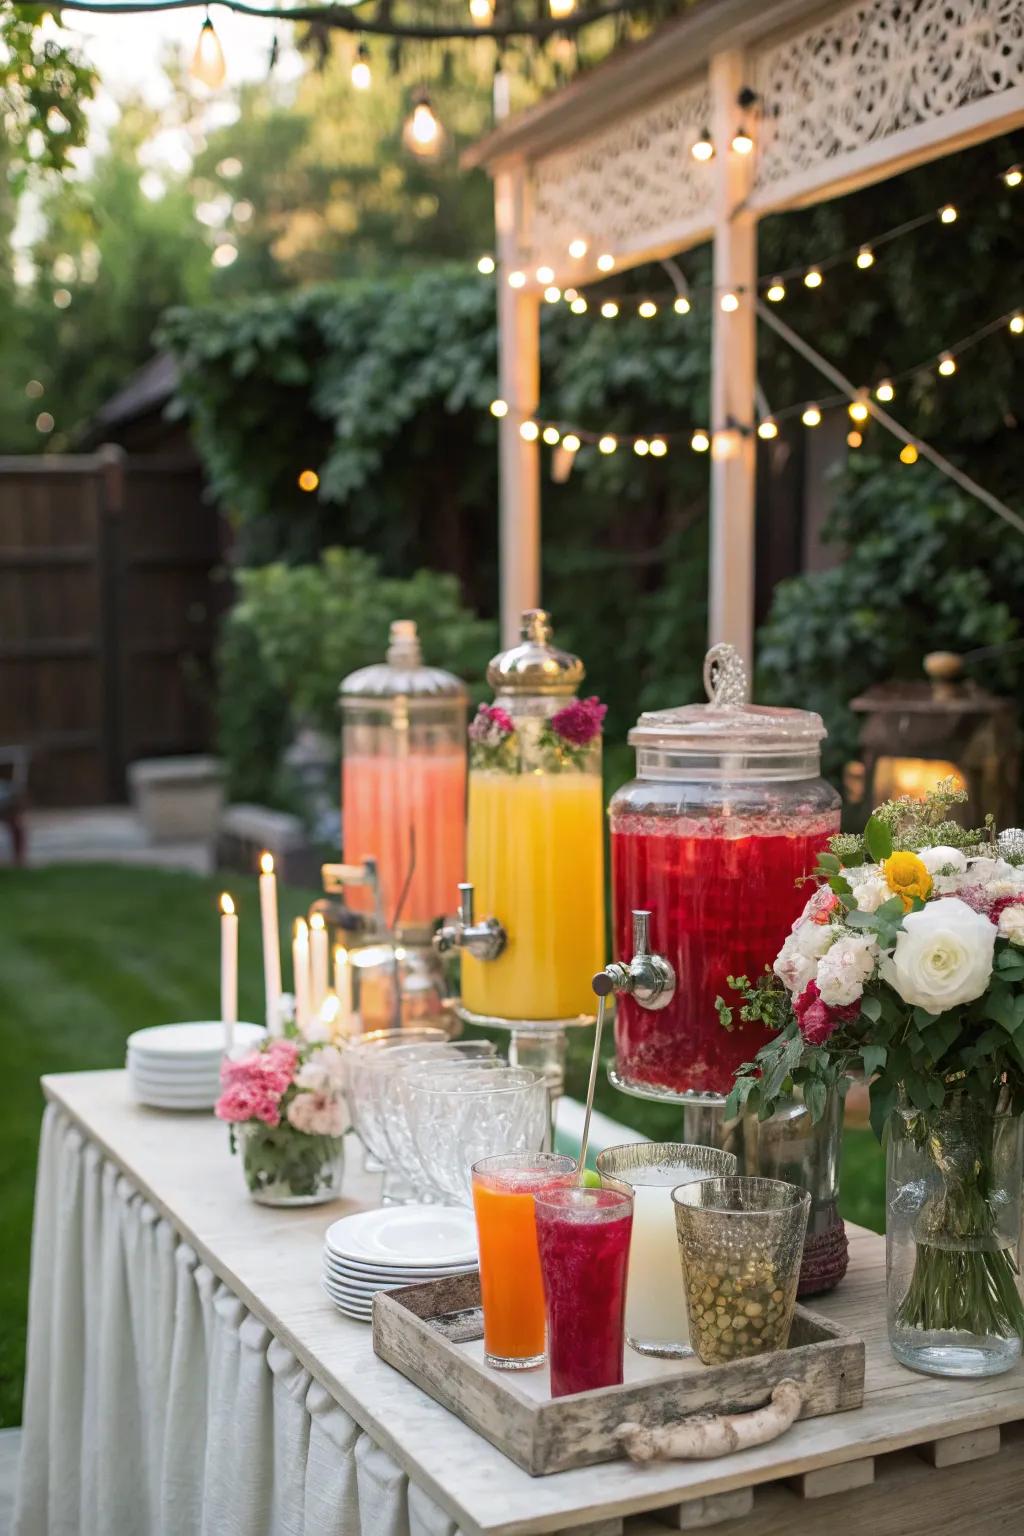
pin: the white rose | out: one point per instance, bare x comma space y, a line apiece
844, 970
871, 892
935, 860
943, 956
985, 871
1011, 924
812, 939
793, 968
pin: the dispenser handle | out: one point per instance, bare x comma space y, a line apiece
466, 903
641, 932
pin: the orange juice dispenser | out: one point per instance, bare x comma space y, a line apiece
535, 863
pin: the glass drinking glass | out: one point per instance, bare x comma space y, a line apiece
511, 1289
583, 1236
459, 1118
656, 1318
357, 1060
465, 1056
740, 1241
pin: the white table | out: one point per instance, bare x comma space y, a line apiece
187, 1374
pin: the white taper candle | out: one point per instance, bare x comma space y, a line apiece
228, 969
271, 943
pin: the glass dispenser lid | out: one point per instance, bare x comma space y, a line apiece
402, 674
535, 665
728, 723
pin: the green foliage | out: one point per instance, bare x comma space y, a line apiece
296, 631
45, 86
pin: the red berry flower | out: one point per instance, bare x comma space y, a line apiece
817, 1021
579, 722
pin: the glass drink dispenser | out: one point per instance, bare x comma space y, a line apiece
403, 781
726, 813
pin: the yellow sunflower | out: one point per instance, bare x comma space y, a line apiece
907, 877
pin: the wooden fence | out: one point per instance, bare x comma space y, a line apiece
108, 610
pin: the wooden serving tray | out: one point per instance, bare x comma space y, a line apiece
433, 1334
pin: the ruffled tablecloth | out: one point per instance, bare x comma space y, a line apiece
156, 1404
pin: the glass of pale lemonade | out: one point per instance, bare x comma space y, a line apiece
656, 1316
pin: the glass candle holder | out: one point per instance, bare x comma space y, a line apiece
656, 1318
583, 1235
740, 1241
511, 1289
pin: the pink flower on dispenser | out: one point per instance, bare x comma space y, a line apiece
579, 722
491, 725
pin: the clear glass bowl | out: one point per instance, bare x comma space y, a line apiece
458, 1119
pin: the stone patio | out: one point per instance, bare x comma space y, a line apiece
109, 834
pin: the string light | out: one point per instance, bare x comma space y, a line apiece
33, 389
659, 447
813, 278
641, 447
482, 12
577, 249
885, 391
609, 309
947, 365
570, 294
700, 442
768, 429
362, 77
560, 9
552, 295
729, 302
423, 134
776, 290
742, 143
948, 214
605, 262
811, 416
551, 435
308, 480
703, 149
681, 305
545, 275
607, 444
517, 279
865, 257
647, 309
571, 443
908, 454
1014, 176
499, 408
486, 265
208, 66
854, 439
1017, 324
579, 305
529, 431
44, 422
858, 410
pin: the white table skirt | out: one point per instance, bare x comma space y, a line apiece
157, 1404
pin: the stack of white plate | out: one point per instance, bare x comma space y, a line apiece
398, 1245
177, 1066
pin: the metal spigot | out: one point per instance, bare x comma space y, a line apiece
484, 940
648, 979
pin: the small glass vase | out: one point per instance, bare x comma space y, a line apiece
283, 1166
953, 1214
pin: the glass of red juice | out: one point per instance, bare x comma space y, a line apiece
583, 1236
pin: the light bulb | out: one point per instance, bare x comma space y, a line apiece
529, 431
609, 309
579, 305
607, 444
768, 429
1017, 324
44, 422
947, 364
485, 265
865, 257
561, 8
948, 214
776, 290
362, 77
571, 443
641, 447
700, 442
908, 454
308, 480
499, 408
648, 309
811, 416
545, 275
854, 439
858, 410
577, 249
208, 66
552, 295
570, 294
481, 12
742, 143
885, 391
703, 149
681, 306
551, 436
605, 262
659, 447
813, 278
517, 279
422, 134
729, 302
1014, 176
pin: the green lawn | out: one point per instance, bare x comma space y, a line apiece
89, 953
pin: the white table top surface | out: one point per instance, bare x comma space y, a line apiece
271, 1259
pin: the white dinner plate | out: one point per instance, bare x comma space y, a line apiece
152, 1101
173, 1101
176, 1066
199, 1041
202, 1086
406, 1236
364, 1288
351, 1309
179, 1077
343, 1271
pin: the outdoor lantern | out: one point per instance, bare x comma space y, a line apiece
917, 733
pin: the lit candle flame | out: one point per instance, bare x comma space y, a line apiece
316, 921
340, 955
301, 930
227, 906
266, 863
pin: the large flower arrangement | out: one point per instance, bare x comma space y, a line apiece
907, 966
286, 1095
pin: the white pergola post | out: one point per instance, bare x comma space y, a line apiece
733, 372
519, 385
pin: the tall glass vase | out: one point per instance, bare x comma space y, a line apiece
953, 1214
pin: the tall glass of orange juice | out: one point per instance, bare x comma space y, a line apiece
511, 1289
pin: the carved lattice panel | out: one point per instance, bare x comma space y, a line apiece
876, 69
634, 180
